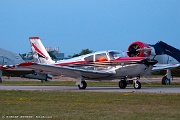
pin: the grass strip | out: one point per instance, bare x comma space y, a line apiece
89, 105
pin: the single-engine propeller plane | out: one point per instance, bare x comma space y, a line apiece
102, 65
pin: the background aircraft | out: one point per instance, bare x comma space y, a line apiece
102, 65
8, 60
167, 56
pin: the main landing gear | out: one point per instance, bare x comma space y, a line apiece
166, 79
81, 83
123, 83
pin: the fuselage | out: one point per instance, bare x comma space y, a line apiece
109, 61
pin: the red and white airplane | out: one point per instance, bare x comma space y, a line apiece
102, 65
167, 56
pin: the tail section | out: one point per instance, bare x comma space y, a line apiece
163, 48
40, 54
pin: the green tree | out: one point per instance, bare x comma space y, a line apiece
83, 52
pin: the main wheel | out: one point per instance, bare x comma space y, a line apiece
165, 81
83, 85
122, 84
137, 85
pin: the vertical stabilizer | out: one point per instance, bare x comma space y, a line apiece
40, 54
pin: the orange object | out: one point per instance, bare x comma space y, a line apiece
102, 59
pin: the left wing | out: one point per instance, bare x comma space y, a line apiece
67, 71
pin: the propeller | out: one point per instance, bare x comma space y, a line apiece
135, 50
145, 49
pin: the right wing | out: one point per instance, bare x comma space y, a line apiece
165, 66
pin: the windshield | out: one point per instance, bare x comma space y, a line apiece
114, 55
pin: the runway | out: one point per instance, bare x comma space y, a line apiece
94, 89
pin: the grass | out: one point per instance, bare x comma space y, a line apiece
89, 105
56, 105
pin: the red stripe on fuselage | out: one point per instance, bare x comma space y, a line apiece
122, 59
119, 60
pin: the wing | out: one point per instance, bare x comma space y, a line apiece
67, 71
11, 70
165, 66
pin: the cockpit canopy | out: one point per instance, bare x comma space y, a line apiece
104, 56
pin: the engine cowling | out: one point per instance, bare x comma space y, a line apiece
139, 49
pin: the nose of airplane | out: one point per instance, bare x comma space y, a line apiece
148, 61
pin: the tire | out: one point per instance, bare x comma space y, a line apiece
165, 81
122, 84
137, 85
83, 86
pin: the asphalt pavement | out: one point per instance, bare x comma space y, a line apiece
95, 89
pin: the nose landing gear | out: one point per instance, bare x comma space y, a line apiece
136, 84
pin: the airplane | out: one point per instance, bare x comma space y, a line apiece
8, 60
101, 65
167, 56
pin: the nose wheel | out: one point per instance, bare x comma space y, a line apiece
137, 85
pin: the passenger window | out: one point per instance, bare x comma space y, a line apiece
101, 57
89, 59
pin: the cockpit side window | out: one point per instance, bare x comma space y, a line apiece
89, 59
101, 57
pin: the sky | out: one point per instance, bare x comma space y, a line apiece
73, 25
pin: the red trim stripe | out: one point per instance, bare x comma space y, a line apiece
37, 50
33, 37
26, 64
